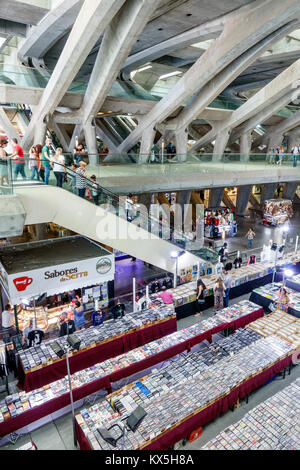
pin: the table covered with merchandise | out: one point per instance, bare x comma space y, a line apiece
179, 406
53, 369
267, 295
53, 397
244, 281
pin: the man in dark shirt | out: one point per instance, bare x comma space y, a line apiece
118, 310
155, 286
35, 337
98, 317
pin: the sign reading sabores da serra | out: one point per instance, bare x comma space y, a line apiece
58, 279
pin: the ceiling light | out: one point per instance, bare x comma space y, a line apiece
172, 74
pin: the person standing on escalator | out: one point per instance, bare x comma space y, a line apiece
81, 179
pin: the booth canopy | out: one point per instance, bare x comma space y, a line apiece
53, 267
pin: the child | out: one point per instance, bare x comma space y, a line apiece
73, 177
95, 190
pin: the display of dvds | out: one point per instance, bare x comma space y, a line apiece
20, 402
173, 394
272, 425
38, 356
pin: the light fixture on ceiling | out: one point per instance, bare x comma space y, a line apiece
171, 74
144, 68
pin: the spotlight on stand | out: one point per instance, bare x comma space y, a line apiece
174, 254
74, 342
274, 247
281, 248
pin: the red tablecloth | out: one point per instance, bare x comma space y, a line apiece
207, 414
39, 412
82, 360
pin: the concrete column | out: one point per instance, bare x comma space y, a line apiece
245, 146
119, 38
289, 190
267, 192
145, 199
243, 196
220, 145
101, 132
91, 142
7, 125
215, 197
40, 232
39, 134
91, 22
146, 145
184, 197
181, 139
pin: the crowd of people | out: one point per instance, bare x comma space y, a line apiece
276, 155
42, 160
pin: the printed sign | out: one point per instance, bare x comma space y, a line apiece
58, 279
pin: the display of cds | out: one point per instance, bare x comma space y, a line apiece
179, 390
41, 355
272, 425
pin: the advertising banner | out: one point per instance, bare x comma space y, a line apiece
58, 279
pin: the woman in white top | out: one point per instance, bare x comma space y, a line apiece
3, 163
33, 164
59, 168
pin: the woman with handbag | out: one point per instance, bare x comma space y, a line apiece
200, 300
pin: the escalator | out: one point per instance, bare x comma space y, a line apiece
106, 224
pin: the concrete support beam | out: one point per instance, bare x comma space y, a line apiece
262, 19
146, 145
106, 139
215, 197
287, 125
7, 125
289, 190
181, 139
208, 93
39, 135
245, 146
23, 12
220, 145
267, 192
242, 200
53, 26
286, 82
91, 142
209, 30
119, 38
93, 18
183, 198
62, 135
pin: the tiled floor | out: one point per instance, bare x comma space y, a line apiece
58, 434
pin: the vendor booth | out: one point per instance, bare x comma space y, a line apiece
43, 279
277, 211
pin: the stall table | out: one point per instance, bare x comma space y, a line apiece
205, 414
82, 359
38, 412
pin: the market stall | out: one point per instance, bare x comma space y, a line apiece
219, 223
277, 211
46, 400
269, 295
42, 279
186, 399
